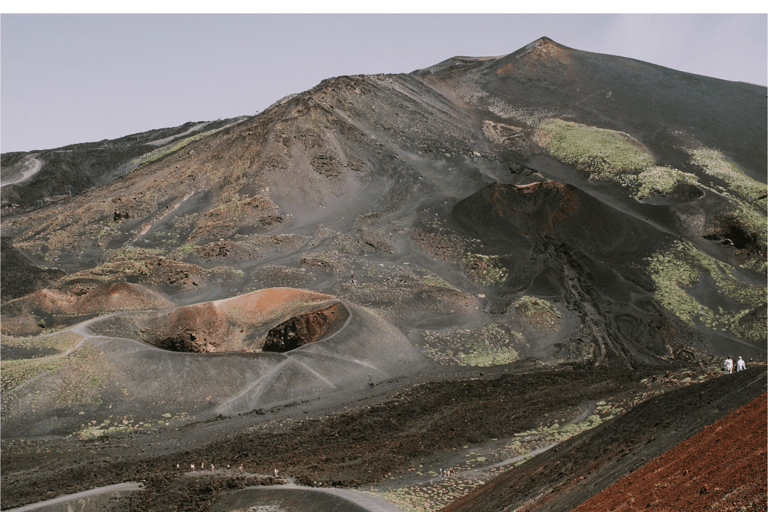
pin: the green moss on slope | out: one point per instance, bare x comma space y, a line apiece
595, 150
538, 312
715, 163
655, 181
747, 194
616, 156
169, 148
678, 271
483, 269
488, 346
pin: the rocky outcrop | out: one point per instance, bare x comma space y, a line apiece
303, 329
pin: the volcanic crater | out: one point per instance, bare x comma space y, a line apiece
205, 328
271, 320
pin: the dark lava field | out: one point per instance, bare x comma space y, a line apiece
498, 283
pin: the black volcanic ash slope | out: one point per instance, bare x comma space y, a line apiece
563, 245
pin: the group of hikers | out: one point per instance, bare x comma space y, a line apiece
740, 365
447, 472
212, 468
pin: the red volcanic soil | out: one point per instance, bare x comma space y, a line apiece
269, 303
120, 296
195, 328
721, 468
549, 203
60, 308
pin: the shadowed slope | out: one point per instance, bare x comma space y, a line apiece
19, 276
591, 260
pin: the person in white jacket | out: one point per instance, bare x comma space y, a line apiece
728, 365
740, 365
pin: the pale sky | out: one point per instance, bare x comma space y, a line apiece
69, 78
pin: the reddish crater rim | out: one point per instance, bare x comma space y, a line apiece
206, 328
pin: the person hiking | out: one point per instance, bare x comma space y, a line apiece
728, 365
740, 365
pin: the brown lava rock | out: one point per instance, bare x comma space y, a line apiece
304, 329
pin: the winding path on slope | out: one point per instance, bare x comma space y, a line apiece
85, 498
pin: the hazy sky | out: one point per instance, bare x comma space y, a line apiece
69, 78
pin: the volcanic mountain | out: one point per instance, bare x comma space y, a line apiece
592, 218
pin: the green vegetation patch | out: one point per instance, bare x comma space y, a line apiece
538, 312
484, 270
489, 346
184, 250
131, 253
169, 148
432, 279
675, 273
656, 181
616, 156
749, 195
754, 219
714, 162
594, 150
431, 496
523, 443
107, 232
123, 424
